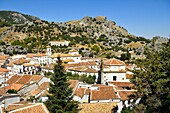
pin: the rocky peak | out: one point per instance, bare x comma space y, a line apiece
101, 18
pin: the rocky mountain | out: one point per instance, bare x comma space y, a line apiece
34, 33
16, 17
98, 28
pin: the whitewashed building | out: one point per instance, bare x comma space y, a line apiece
59, 43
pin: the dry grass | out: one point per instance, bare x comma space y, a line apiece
73, 22
97, 107
134, 45
3, 29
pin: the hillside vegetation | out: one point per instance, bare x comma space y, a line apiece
34, 33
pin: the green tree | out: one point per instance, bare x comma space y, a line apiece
2, 42
96, 48
12, 91
125, 56
153, 82
60, 97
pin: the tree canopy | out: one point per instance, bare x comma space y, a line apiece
153, 82
60, 95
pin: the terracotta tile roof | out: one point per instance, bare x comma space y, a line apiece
87, 91
4, 57
71, 65
73, 83
89, 70
83, 69
28, 64
3, 90
122, 84
104, 93
36, 78
36, 64
55, 55
124, 94
4, 70
24, 79
129, 68
89, 63
30, 55
114, 62
20, 61
79, 92
29, 108
92, 59
17, 105
15, 86
42, 87
10, 64
68, 60
73, 50
39, 55
13, 79
97, 107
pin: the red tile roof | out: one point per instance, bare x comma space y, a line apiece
36, 78
24, 79
13, 79
105, 107
79, 92
15, 86
124, 94
4, 70
73, 50
28, 108
104, 93
83, 69
114, 62
4, 57
122, 84
20, 61
42, 87
10, 64
73, 83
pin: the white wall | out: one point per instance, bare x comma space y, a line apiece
109, 77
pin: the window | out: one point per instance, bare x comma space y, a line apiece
114, 78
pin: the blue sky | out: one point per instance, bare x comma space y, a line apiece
146, 18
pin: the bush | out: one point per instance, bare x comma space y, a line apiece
12, 91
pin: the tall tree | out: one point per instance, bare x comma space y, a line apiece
153, 82
60, 95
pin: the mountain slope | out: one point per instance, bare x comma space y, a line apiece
16, 17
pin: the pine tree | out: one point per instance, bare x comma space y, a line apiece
60, 95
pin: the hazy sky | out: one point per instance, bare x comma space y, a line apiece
146, 18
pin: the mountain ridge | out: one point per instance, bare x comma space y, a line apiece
16, 17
